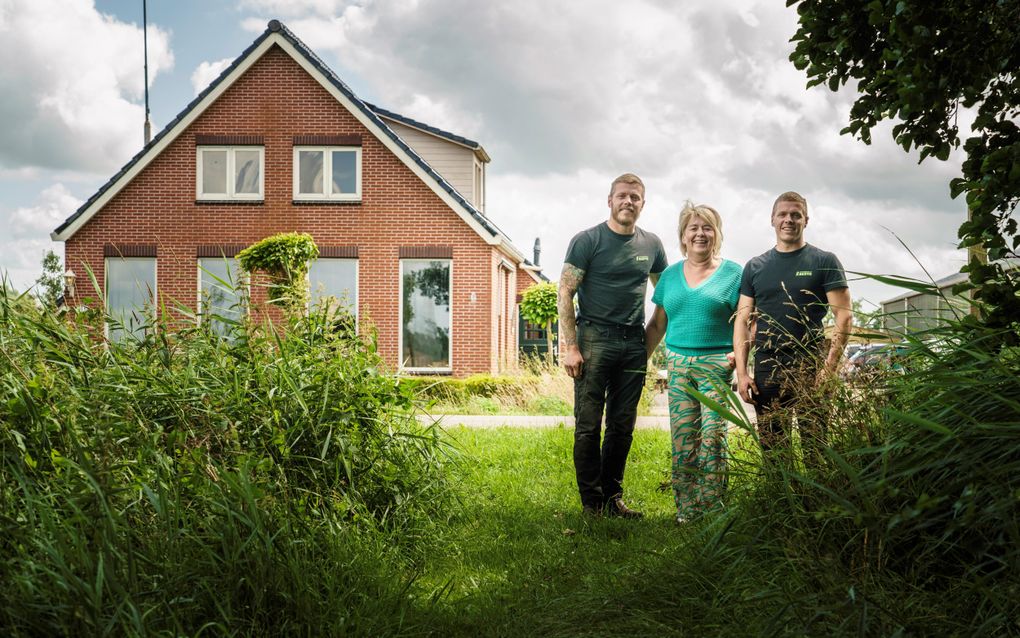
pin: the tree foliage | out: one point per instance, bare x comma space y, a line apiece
538, 305
50, 284
285, 258
919, 63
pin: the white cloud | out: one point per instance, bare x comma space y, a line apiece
287, 8
79, 79
206, 72
29, 228
53, 206
699, 99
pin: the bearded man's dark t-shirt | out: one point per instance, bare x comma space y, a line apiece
616, 269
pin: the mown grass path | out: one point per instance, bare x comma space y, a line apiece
518, 559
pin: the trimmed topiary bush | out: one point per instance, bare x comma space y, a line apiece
285, 258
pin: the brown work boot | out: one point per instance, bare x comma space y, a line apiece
616, 507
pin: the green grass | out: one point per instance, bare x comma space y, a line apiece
518, 558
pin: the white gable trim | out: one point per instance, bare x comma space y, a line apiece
478, 151
164, 142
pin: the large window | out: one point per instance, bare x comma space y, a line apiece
425, 314
327, 173
223, 293
334, 282
230, 172
130, 296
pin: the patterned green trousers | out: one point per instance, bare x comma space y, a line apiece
699, 434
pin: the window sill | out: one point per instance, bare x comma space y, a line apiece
326, 202
231, 202
423, 372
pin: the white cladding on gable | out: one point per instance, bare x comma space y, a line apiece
455, 162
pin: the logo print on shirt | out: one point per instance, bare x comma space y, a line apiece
641, 258
803, 273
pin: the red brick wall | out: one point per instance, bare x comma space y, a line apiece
277, 100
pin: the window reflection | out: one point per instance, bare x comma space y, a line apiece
223, 302
130, 296
426, 313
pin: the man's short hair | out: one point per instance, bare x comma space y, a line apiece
626, 178
790, 196
707, 213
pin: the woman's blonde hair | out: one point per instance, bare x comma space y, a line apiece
707, 213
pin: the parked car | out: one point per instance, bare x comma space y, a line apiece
870, 359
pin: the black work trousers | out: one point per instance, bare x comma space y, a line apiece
612, 376
783, 386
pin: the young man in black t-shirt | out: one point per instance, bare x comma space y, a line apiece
603, 344
789, 288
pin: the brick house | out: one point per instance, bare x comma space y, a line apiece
279, 143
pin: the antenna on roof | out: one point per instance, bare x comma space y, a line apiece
145, 45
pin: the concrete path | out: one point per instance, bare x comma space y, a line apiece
496, 420
657, 420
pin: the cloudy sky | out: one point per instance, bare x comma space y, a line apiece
696, 97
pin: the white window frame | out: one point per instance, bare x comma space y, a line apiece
357, 282
106, 287
478, 185
327, 172
231, 176
400, 325
240, 277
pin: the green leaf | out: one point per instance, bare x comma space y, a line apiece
919, 421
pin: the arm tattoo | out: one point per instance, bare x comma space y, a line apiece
570, 280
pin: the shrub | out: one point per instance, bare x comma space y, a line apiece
545, 404
285, 258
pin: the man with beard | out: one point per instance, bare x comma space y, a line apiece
602, 345
789, 288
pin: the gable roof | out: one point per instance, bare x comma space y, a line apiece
428, 128
276, 34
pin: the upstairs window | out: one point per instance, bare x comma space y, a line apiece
330, 173
230, 172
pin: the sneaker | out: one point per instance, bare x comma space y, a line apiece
616, 507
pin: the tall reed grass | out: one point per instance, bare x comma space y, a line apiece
269, 483
907, 521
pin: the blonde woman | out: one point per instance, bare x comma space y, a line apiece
695, 300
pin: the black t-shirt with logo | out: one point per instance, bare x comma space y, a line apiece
616, 269
789, 296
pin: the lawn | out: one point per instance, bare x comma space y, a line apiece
517, 558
